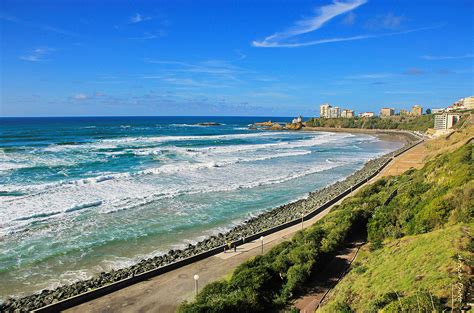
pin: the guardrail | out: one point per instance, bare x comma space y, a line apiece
126, 282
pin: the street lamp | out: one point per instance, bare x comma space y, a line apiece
196, 278
261, 239
302, 220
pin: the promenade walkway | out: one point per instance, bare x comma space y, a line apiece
322, 282
165, 292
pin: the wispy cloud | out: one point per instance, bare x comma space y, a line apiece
8, 18
37, 55
84, 96
149, 36
138, 18
387, 21
447, 57
48, 28
81, 96
289, 37
353, 38
370, 76
307, 25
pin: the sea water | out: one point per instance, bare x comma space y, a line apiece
79, 196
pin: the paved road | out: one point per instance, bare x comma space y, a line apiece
165, 292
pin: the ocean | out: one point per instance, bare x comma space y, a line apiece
79, 196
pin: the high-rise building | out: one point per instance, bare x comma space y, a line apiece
387, 112
417, 110
469, 102
347, 113
446, 120
366, 114
324, 110
334, 112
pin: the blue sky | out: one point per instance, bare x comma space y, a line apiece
270, 58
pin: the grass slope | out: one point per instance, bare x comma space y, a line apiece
419, 201
411, 266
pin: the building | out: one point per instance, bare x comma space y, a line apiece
297, 120
347, 113
464, 103
436, 111
366, 114
387, 112
468, 103
324, 110
446, 120
334, 112
416, 110
404, 112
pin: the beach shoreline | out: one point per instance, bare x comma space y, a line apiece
266, 220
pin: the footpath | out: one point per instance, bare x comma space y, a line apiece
165, 292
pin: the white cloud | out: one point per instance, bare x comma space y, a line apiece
388, 21
138, 18
37, 54
340, 39
447, 57
370, 76
81, 96
322, 16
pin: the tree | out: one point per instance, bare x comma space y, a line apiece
428, 111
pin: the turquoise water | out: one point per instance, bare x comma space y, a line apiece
83, 195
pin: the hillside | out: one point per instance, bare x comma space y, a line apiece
416, 123
414, 272
420, 201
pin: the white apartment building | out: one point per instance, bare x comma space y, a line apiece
334, 112
366, 114
446, 120
347, 113
324, 110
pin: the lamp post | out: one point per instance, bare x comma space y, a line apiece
261, 240
302, 220
196, 278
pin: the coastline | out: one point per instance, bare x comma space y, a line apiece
262, 222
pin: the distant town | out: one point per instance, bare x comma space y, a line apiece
444, 118
436, 121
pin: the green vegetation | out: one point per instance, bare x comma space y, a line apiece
419, 201
410, 274
419, 123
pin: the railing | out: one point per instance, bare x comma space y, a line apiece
126, 282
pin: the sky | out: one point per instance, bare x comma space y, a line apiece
241, 58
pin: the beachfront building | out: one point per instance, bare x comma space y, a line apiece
404, 112
366, 114
417, 110
324, 110
437, 111
445, 120
347, 113
464, 103
334, 112
468, 103
387, 112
